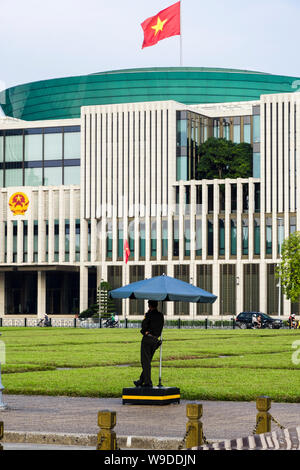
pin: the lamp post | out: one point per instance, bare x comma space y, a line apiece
99, 301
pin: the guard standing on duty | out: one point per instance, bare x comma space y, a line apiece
152, 326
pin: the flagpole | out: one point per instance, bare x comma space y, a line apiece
180, 40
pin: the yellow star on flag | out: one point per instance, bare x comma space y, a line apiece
159, 25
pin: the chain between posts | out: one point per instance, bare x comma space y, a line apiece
277, 423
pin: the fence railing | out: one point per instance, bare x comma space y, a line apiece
124, 323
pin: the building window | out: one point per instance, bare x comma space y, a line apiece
233, 232
268, 236
256, 128
153, 239
204, 281
182, 272
164, 248
228, 289
245, 236
136, 273
257, 236
198, 237
142, 239
256, 165
175, 238
221, 237
77, 240
187, 237
33, 146
53, 145
251, 287
210, 238
120, 239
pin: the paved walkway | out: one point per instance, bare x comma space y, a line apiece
78, 416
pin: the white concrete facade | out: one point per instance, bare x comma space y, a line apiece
128, 187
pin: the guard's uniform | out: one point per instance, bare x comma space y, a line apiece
153, 324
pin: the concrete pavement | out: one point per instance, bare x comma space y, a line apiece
73, 421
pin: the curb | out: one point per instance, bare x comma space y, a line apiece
90, 440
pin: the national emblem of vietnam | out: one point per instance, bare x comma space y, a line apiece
18, 203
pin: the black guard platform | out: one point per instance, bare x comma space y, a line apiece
151, 395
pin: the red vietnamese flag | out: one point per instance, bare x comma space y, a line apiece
126, 251
161, 26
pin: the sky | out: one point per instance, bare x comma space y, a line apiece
58, 38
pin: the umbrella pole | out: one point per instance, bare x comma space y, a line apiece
160, 362
160, 352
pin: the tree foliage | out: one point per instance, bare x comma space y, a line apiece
221, 158
289, 268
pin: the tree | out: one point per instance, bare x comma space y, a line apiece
289, 269
221, 158
104, 306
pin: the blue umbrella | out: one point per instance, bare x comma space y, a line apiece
163, 288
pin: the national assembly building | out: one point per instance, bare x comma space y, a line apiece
88, 162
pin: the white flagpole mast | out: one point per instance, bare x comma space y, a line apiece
180, 40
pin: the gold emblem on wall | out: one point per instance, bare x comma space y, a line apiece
18, 203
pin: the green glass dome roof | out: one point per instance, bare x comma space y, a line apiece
62, 98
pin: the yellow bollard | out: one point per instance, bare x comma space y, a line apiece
194, 427
107, 439
1, 433
263, 418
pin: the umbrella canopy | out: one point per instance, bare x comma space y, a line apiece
163, 288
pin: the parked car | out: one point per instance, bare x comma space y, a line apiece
245, 320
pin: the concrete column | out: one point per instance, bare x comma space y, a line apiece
2, 294
83, 289
41, 293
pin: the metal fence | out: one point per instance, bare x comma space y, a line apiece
228, 324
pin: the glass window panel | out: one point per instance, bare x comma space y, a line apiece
256, 165
14, 148
247, 133
72, 145
1, 178
233, 237
153, 239
53, 146
53, 176
175, 237
187, 238
256, 236
14, 177
77, 240
245, 235
280, 234
1, 148
181, 132
237, 134
210, 238
269, 236
256, 128
33, 176
120, 239
33, 147
72, 175
182, 168
164, 238
198, 237
221, 237
142, 240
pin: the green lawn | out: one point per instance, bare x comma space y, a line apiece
204, 364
